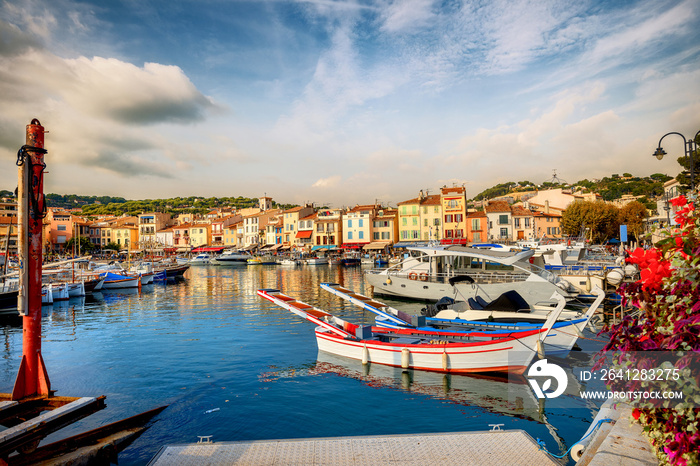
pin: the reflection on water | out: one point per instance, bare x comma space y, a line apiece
209, 341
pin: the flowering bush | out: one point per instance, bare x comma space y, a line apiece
668, 294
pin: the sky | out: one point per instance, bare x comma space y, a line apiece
344, 102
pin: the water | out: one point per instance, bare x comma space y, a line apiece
231, 365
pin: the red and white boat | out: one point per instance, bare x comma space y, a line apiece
425, 350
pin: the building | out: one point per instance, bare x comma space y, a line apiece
499, 221
328, 228
454, 214
148, 225
477, 227
290, 220
357, 226
523, 223
419, 219
305, 230
385, 229
200, 233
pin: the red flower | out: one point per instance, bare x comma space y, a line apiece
679, 201
636, 413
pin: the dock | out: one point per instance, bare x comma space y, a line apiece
494, 447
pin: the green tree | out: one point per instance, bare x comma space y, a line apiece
85, 245
633, 215
600, 217
112, 246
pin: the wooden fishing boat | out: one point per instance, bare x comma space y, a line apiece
115, 281
424, 350
560, 341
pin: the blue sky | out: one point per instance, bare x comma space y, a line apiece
344, 102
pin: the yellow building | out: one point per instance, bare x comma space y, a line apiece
199, 234
454, 214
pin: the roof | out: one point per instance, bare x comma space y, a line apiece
497, 206
454, 190
519, 211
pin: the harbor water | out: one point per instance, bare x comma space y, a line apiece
235, 367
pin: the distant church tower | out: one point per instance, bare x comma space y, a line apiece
265, 203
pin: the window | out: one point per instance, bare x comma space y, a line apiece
360, 223
61, 228
516, 222
458, 218
349, 223
448, 218
386, 235
361, 235
403, 210
415, 221
475, 224
527, 222
404, 221
425, 222
414, 209
503, 219
504, 232
452, 203
349, 234
477, 237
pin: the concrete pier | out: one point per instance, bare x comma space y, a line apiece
498, 447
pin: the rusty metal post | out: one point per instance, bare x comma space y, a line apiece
32, 378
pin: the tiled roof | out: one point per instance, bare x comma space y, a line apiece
497, 206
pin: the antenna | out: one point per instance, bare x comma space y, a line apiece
556, 179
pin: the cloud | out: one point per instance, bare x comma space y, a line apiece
407, 15
155, 93
329, 182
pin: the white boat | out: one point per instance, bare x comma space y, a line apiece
290, 262
46, 294
316, 260
560, 340
116, 281
425, 275
76, 289
59, 292
230, 257
410, 349
200, 259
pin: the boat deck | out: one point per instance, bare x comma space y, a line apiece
496, 447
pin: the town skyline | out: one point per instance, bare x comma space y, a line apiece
330, 100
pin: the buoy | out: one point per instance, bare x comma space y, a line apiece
615, 276
540, 349
365, 354
445, 361
405, 358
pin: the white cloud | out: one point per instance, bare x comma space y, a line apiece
328, 182
407, 15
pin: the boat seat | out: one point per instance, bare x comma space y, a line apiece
474, 304
481, 301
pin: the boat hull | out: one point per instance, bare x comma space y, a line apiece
501, 355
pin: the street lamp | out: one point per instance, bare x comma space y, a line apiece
688, 148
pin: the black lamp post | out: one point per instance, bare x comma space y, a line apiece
688, 147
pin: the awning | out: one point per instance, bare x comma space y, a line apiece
183, 249
304, 234
276, 247
208, 249
404, 244
324, 246
352, 245
248, 248
376, 245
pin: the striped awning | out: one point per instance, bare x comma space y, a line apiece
376, 245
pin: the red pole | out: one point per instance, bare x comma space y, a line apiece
32, 378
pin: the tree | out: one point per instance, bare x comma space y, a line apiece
633, 215
601, 218
84, 242
113, 246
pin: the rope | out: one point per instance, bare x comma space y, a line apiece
581, 337
543, 445
36, 201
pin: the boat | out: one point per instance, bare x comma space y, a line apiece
200, 259
75, 289
409, 349
316, 260
425, 274
115, 281
230, 257
350, 259
290, 261
262, 260
560, 341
